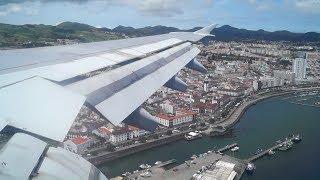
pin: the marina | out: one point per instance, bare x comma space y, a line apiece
280, 145
250, 134
213, 164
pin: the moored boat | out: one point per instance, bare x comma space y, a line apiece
192, 135
250, 167
235, 149
144, 166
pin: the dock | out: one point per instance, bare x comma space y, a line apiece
191, 167
227, 147
273, 148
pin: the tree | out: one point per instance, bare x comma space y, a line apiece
142, 139
154, 136
111, 147
168, 132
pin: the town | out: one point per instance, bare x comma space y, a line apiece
237, 71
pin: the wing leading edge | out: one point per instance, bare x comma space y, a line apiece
30, 92
35, 103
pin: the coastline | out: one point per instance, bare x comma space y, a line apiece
228, 123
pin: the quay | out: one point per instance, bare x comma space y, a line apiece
210, 164
273, 148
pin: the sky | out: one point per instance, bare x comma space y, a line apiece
271, 15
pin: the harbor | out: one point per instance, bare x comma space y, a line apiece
256, 129
210, 164
213, 164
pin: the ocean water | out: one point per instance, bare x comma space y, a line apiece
261, 125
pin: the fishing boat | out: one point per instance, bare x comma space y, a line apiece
144, 166
235, 149
297, 138
194, 156
250, 167
157, 163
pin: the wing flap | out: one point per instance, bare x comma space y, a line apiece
114, 89
19, 156
40, 107
117, 107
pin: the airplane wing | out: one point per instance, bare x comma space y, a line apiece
43, 89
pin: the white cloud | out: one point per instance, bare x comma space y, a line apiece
28, 8
263, 7
312, 6
160, 7
166, 8
10, 8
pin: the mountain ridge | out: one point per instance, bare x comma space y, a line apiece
35, 35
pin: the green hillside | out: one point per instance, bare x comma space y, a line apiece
21, 36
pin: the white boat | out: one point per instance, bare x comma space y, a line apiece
235, 149
192, 135
270, 152
194, 156
146, 174
126, 174
250, 167
144, 166
158, 162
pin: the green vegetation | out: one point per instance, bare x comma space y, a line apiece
22, 36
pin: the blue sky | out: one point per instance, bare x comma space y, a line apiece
293, 15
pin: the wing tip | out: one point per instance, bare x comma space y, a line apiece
206, 30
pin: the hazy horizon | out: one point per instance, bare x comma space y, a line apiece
270, 15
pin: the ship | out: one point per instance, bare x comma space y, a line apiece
192, 135
250, 167
297, 139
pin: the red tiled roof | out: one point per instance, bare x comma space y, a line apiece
104, 130
132, 128
79, 140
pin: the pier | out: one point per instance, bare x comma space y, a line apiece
205, 162
227, 147
273, 148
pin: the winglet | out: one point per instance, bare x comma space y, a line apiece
206, 30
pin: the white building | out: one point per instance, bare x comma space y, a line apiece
103, 132
180, 117
122, 134
287, 76
78, 144
270, 82
255, 85
205, 86
119, 135
231, 92
167, 107
299, 68
135, 132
